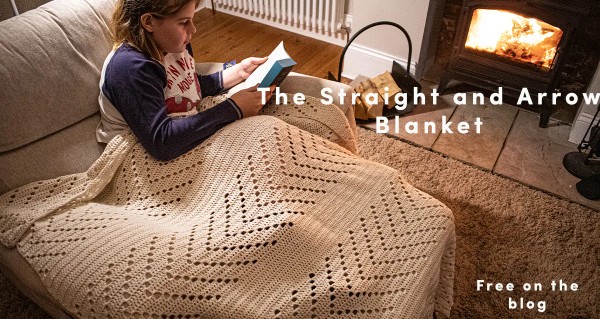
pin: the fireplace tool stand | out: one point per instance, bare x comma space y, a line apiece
585, 163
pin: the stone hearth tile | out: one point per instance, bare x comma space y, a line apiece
534, 155
422, 113
443, 101
423, 139
479, 149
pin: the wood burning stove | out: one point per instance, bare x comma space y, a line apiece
514, 45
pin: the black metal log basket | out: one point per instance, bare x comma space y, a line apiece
401, 75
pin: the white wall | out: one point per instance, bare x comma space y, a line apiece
586, 112
376, 47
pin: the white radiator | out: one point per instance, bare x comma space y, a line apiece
321, 16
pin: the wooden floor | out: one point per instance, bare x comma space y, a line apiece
223, 37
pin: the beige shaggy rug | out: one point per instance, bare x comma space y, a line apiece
506, 233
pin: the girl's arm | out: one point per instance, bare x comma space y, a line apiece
211, 84
135, 87
215, 83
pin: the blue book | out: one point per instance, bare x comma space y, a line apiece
278, 72
278, 65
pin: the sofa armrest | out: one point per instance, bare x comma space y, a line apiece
305, 84
312, 86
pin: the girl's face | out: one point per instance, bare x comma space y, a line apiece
172, 33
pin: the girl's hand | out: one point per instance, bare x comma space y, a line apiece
250, 100
239, 72
248, 65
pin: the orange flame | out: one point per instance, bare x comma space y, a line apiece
511, 35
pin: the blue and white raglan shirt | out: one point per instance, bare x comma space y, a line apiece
143, 94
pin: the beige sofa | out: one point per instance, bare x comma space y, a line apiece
51, 62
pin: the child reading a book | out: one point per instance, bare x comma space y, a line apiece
150, 75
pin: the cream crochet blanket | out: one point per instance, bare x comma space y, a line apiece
262, 220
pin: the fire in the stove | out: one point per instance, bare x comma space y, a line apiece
514, 36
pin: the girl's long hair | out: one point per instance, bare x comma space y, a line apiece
126, 22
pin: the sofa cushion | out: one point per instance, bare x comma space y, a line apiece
71, 150
51, 62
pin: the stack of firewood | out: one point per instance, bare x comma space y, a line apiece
365, 106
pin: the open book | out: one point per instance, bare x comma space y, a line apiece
272, 72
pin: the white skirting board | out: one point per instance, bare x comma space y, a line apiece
370, 63
580, 127
586, 111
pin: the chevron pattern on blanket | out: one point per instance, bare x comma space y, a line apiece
265, 219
